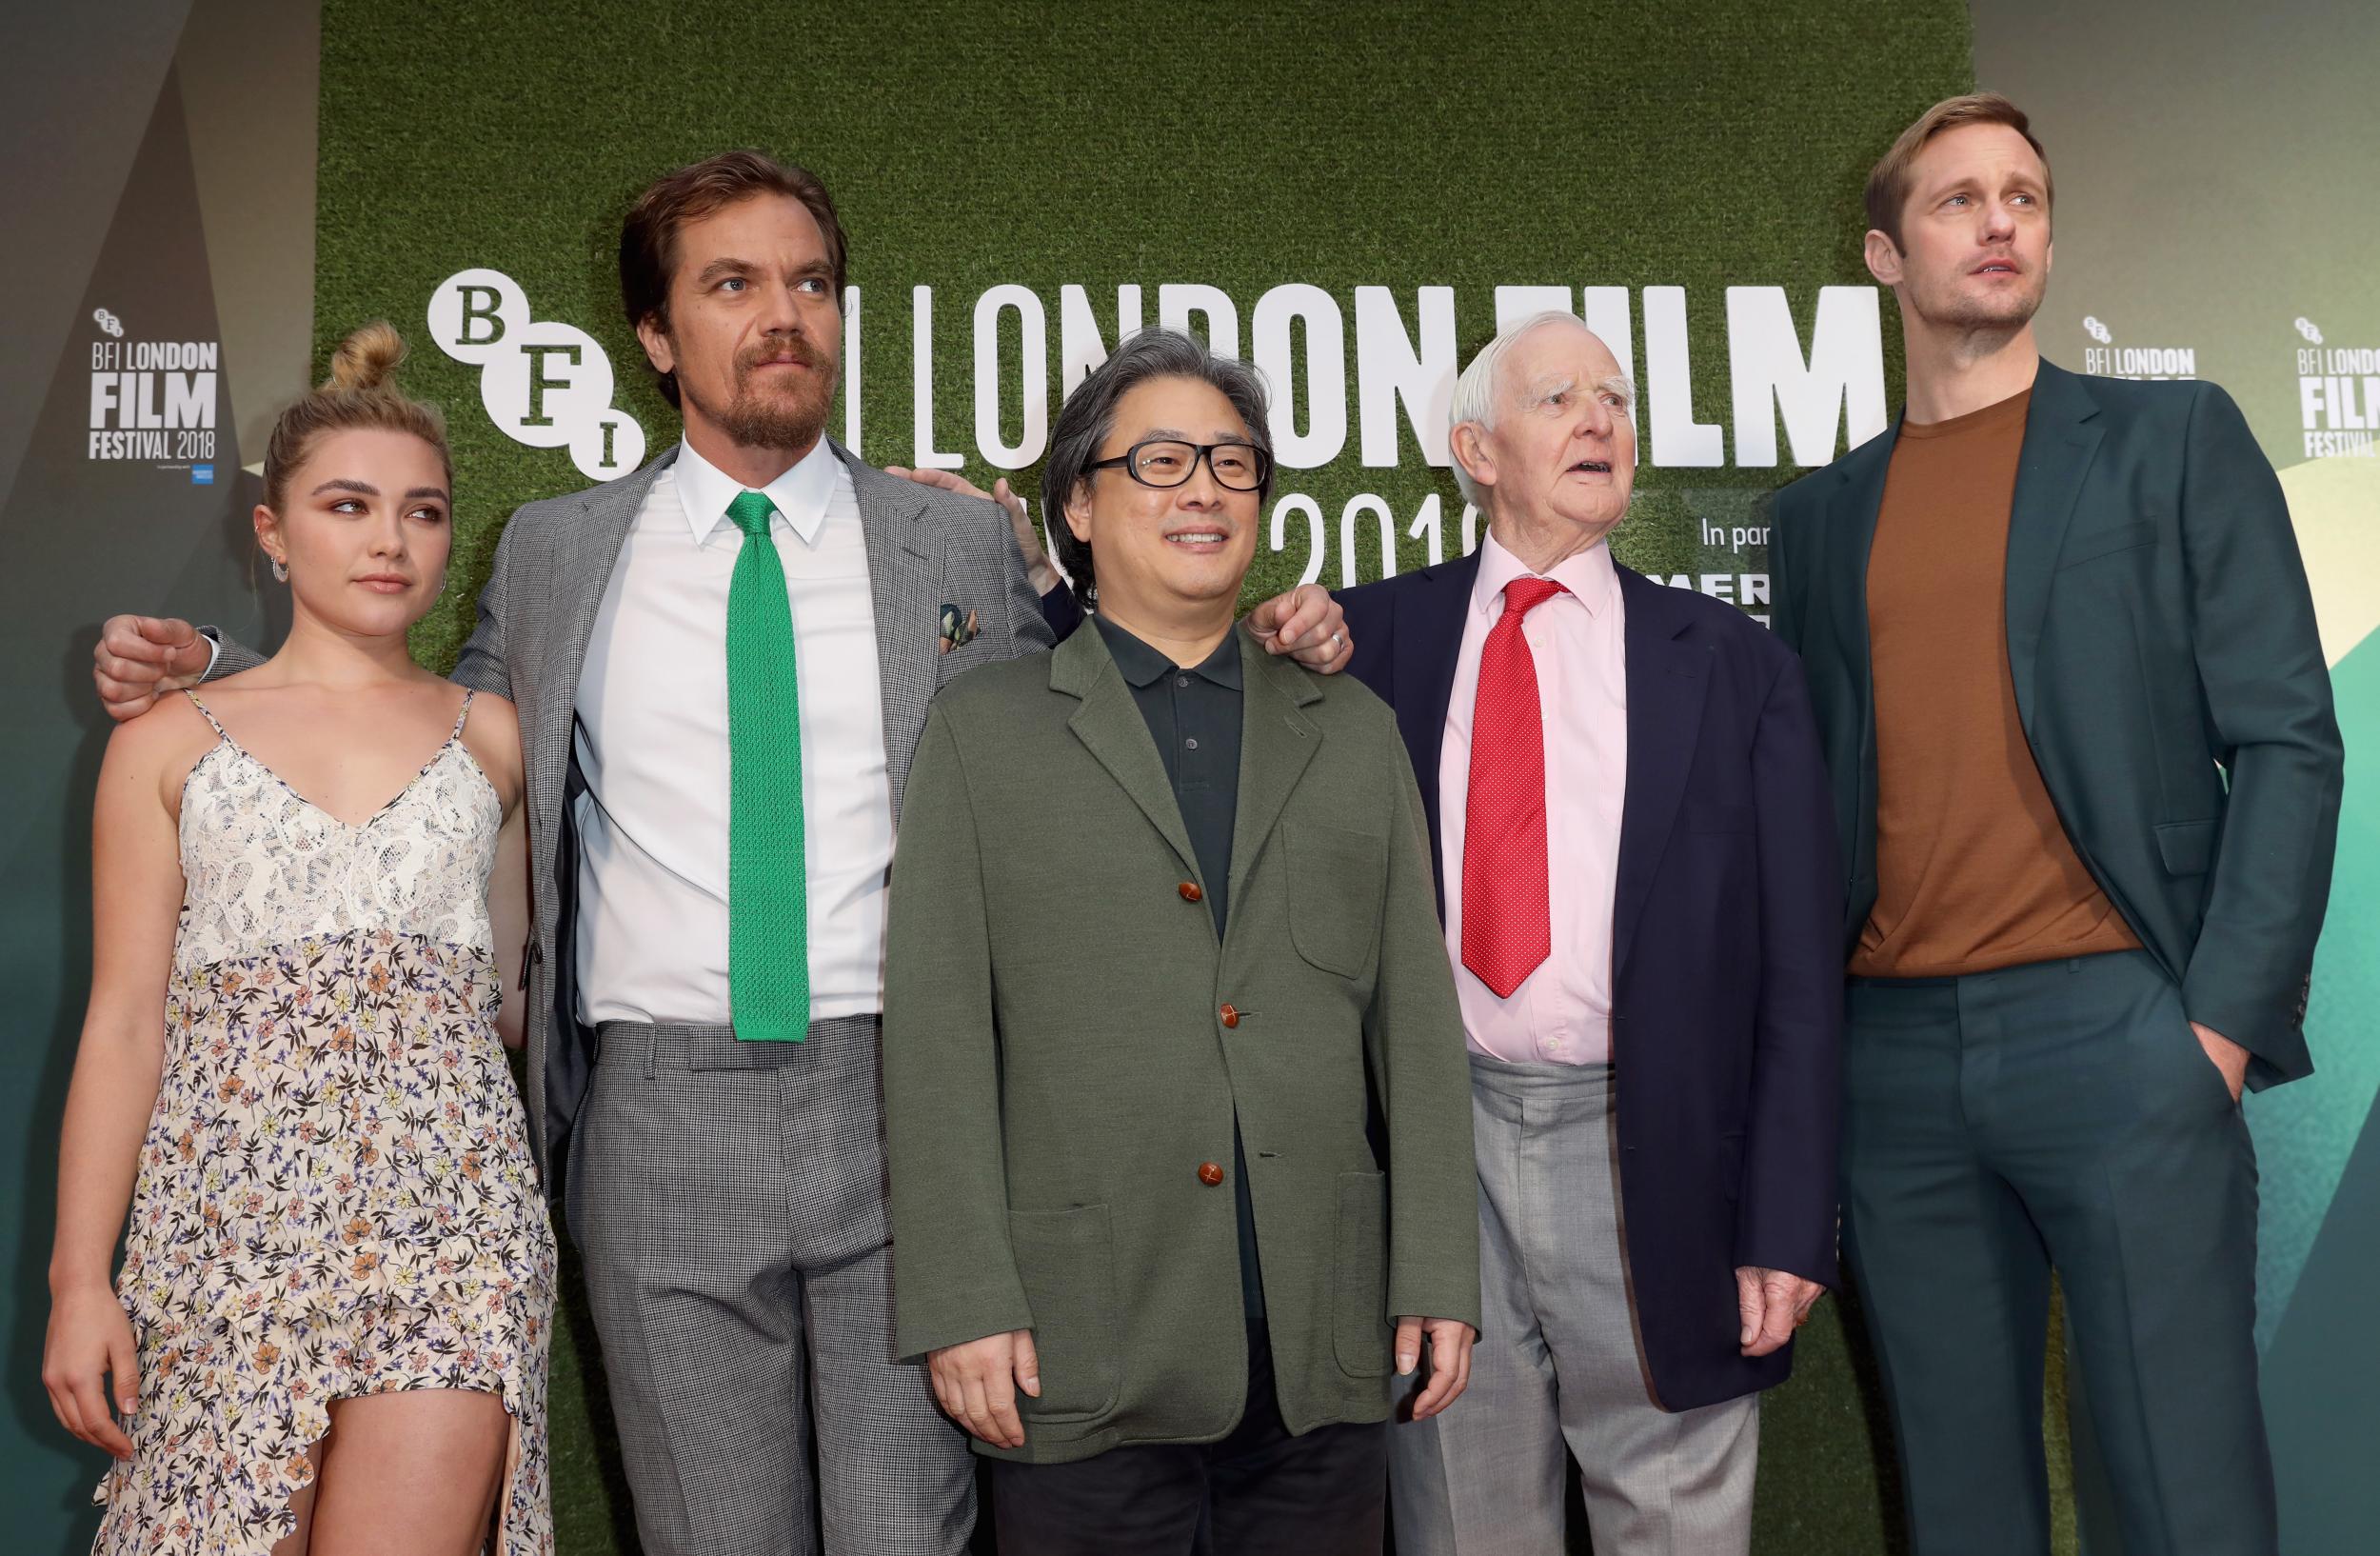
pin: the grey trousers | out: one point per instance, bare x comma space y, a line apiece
729, 1201
1557, 1366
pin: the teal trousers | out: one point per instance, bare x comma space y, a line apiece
2056, 1116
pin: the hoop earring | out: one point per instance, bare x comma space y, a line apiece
280, 570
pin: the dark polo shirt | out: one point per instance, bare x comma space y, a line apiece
1194, 715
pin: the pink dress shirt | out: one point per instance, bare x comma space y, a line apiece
1561, 1013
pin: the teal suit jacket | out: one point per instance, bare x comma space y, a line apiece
2168, 676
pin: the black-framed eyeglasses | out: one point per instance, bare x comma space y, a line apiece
1167, 461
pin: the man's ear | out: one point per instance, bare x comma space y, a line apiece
1471, 452
654, 336
1078, 511
1884, 258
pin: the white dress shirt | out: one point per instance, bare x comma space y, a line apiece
651, 737
1561, 1013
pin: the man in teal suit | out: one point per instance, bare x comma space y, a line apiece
2087, 778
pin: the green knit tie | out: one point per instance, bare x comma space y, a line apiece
769, 921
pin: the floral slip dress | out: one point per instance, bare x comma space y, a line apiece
336, 1195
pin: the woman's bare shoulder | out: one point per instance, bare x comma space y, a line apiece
161, 746
494, 726
492, 735
496, 704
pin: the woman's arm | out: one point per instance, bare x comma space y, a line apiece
136, 899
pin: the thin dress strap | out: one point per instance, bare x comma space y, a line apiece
468, 692
219, 729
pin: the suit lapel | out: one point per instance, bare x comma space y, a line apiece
2059, 442
1857, 500
584, 552
1429, 641
904, 570
1276, 743
1668, 671
1111, 729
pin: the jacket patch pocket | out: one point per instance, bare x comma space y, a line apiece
1337, 879
2188, 846
1066, 1262
1361, 1331
2096, 543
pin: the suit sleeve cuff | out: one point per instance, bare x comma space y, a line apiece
1433, 1297
931, 1331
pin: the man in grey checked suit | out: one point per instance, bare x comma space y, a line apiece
728, 1193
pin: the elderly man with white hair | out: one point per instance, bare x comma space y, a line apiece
1638, 876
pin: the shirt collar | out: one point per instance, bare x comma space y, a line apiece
1589, 576
1142, 665
801, 494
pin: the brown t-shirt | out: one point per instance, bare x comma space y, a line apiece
1973, 871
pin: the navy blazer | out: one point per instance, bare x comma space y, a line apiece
1727, 969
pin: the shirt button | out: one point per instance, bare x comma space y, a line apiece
1210, 1174
1192, 743
1230, 1014
1182, 680
1190, 891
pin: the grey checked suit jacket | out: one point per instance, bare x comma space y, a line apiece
925, 548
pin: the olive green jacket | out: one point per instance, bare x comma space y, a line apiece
1067, 1044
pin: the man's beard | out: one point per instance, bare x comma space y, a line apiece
790, 419
2003, 315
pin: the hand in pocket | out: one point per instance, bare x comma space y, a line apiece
2225, 1055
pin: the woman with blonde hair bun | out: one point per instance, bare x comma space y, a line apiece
309, 896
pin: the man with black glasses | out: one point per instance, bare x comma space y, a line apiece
1174, 1088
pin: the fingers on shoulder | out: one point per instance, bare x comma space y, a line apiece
147, 637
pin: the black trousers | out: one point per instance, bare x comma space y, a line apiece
1257, 1492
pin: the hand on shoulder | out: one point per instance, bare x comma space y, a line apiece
1011, 504
138, 659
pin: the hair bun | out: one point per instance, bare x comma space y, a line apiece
367, 359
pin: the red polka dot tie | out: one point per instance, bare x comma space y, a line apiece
1507, 928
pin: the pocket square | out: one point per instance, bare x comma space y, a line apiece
957, 627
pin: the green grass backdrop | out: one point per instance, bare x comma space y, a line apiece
1697, 145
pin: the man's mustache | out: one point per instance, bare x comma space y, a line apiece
783, 347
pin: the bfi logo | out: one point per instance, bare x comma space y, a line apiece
543, 382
